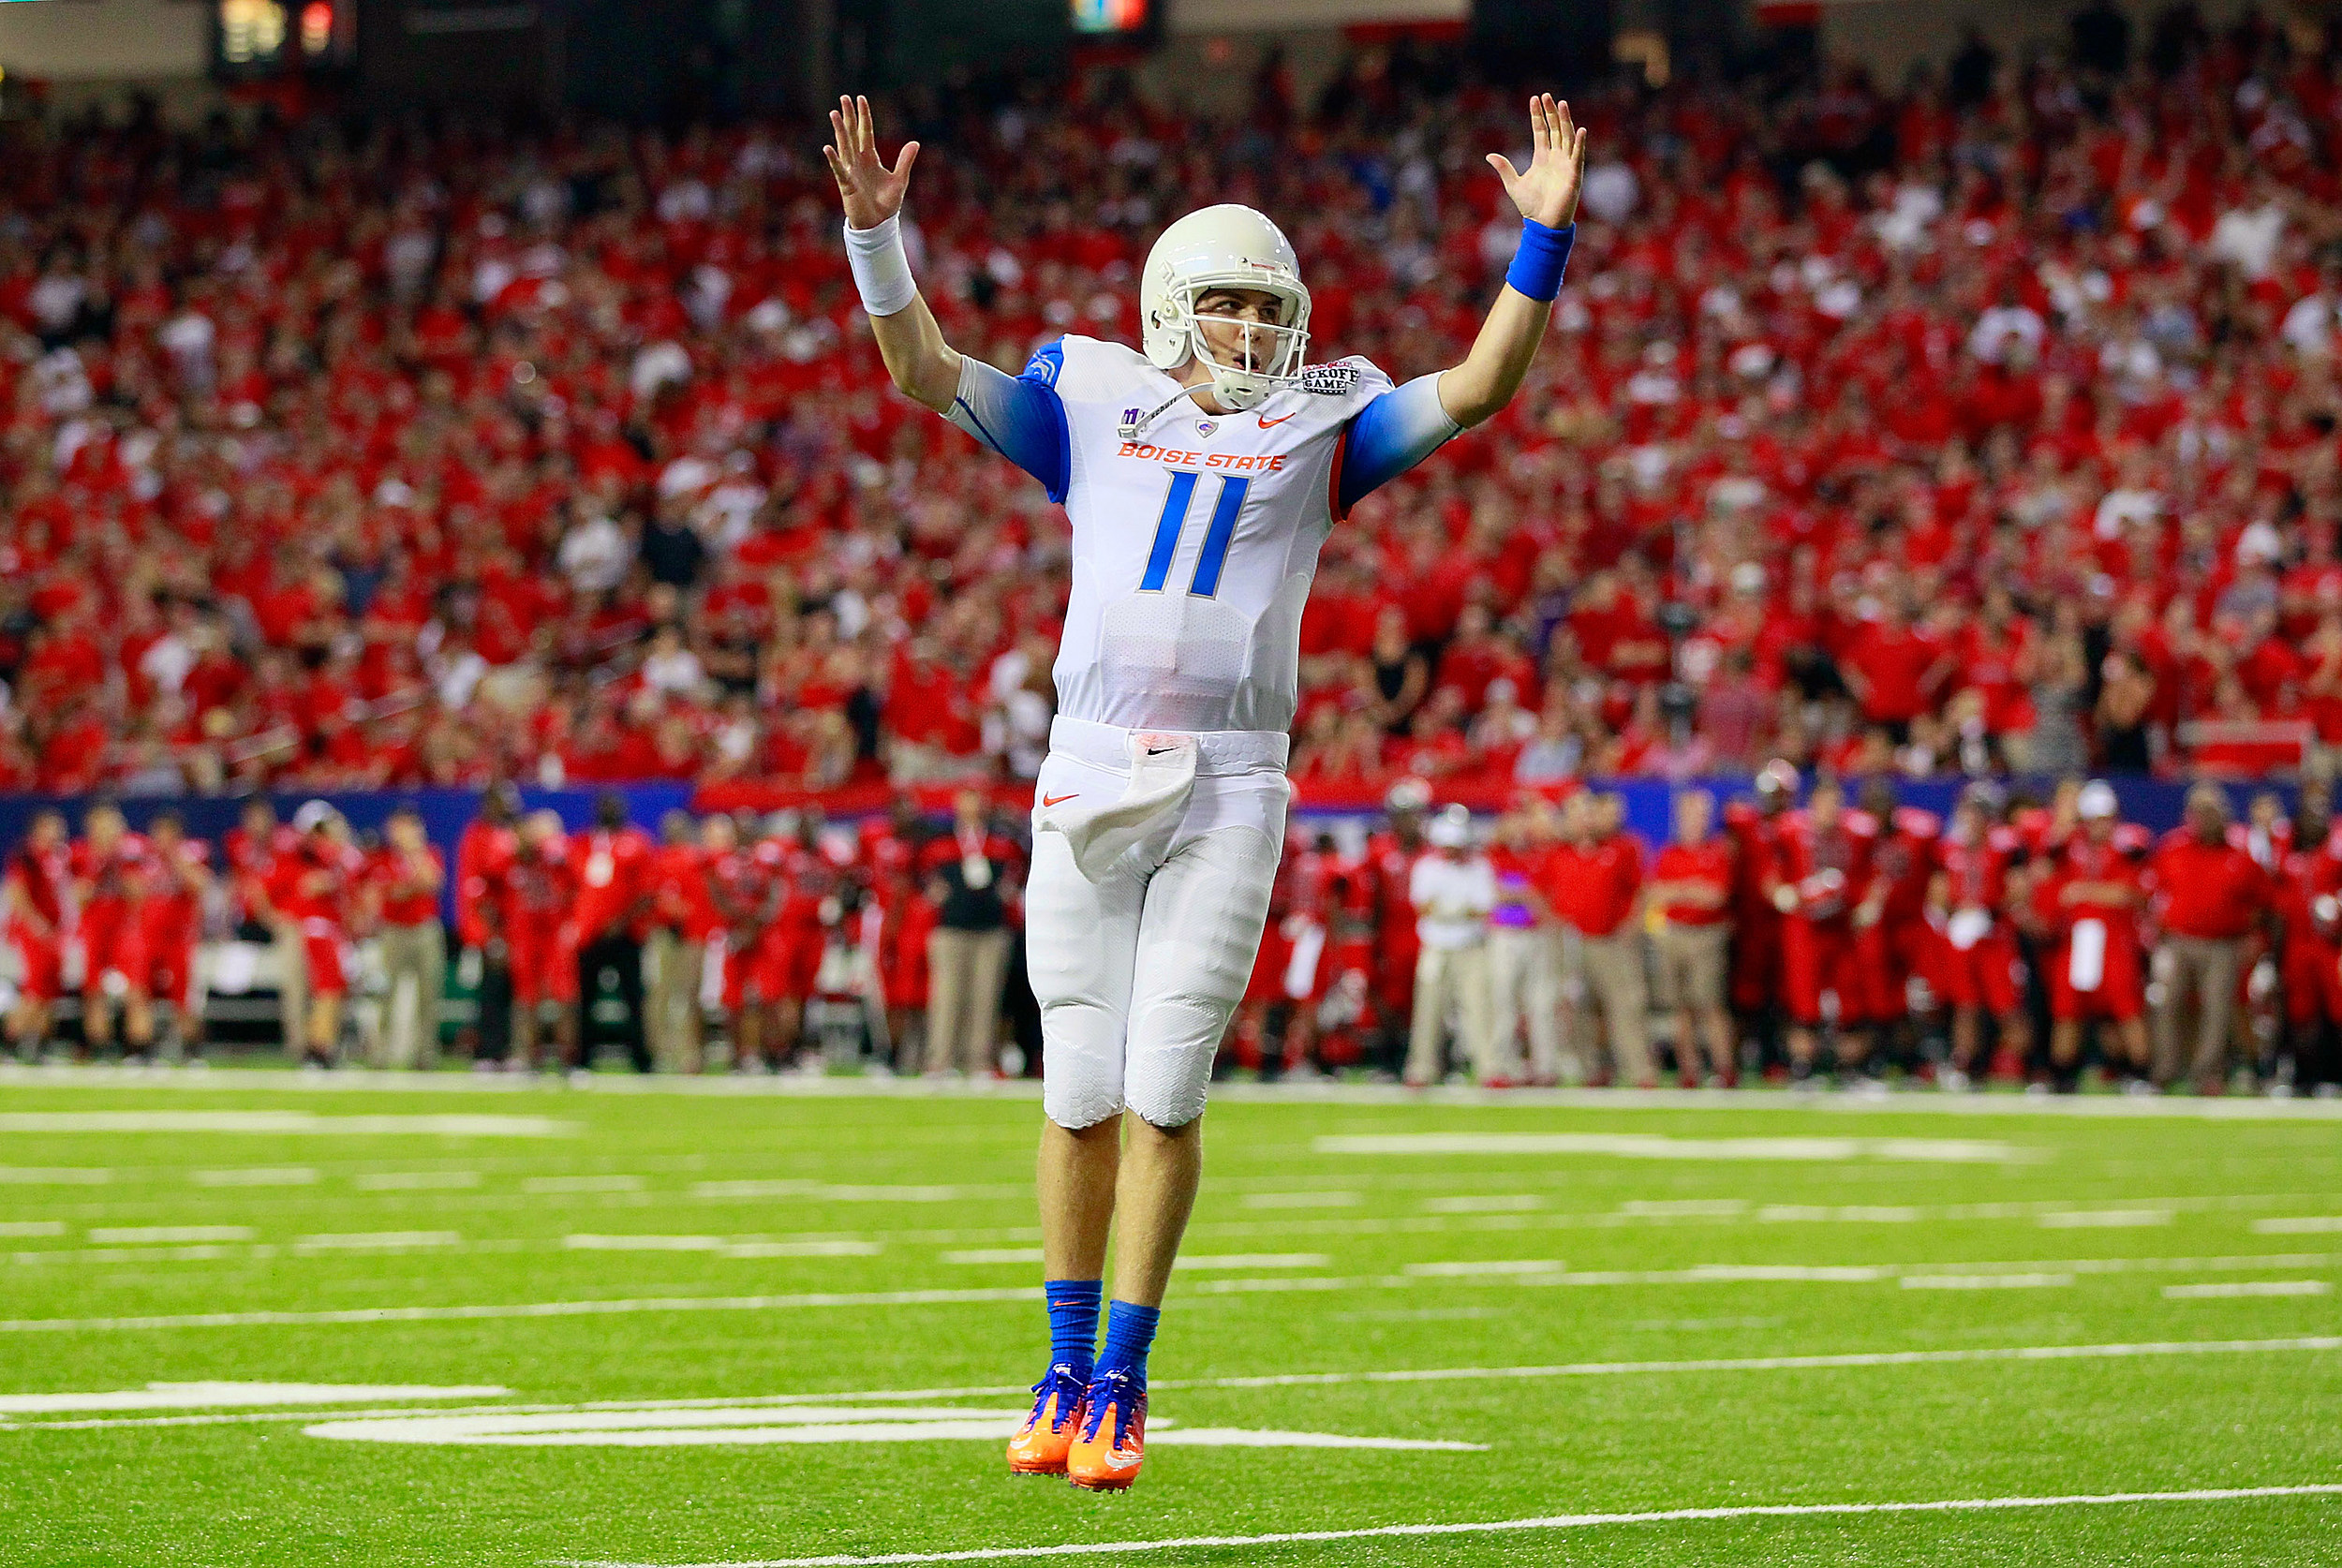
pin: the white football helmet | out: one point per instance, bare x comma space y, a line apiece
1227, 246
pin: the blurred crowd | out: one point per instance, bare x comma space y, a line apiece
1985, 423
1840, 940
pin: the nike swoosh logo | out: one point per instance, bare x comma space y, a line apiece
1052, 800
1265, 422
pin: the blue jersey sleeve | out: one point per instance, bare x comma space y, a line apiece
1388, 436
1020, 417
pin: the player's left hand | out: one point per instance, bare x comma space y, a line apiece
1547, 191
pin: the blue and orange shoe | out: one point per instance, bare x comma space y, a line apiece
1039, 1445
1112, 1445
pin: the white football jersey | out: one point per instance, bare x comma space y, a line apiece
1195, 542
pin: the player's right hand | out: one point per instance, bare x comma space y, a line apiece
871, 192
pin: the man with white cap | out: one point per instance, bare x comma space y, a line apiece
1202, 474
2093, 898
1453, 890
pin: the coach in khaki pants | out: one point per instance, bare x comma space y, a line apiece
1692, 887
970, 873
408, 877
1593, 884
2211, 895
674, 956
1452, 890
1524, 956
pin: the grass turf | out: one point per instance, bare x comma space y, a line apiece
1657, 1231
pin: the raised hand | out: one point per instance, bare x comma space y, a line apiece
1547, 191
871, 192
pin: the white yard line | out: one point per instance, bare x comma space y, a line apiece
1653, 1145
1705, 1274
1301, 1200
825, 1192
2086, 1108
2313, 1224
197, 1395
2247, 1287
376, 1241
135, 1236
413, 1182
1984, 1282
257, 1175
54, 1175
1552, 1521
283, 1123
552, 1184
1849, 1360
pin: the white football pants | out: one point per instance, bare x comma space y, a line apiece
1525, 986
1137, 971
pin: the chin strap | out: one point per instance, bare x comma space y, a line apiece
1128, 429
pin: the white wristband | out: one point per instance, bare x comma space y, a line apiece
881, 269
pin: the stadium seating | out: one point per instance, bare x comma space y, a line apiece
1884, 433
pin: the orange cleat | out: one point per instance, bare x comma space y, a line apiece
1039, 1445
1107, 1455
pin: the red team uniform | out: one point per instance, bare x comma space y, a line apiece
1829, 871
315, 887
1979, 967
2308, 898
114, 882
2094, 963
1756, 925
1390, 865
170, 922
540, 887
252, 864
743, 899
43, 884
1900, 943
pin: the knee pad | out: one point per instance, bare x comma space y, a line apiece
1081, 1065
1172, 1047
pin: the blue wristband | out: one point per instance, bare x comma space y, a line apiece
1537, 265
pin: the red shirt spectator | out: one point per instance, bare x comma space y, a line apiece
1592, 884
2214, 890
615, 884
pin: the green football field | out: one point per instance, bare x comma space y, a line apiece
250, 1320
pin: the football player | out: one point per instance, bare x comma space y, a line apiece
1202, 473
37, 896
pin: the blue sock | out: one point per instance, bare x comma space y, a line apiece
1073, 1323
1130, 1330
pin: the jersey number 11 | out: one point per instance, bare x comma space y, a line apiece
1216, 537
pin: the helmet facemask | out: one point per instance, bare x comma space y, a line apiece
1270, 353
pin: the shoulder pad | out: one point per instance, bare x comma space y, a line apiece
1046, 363
1329, 381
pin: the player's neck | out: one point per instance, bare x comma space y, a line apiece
1195, 373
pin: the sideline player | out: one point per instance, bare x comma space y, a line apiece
110, 876
36, 894
1160, 808
170, 923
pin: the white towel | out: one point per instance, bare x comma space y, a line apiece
1162, 778
2085, 962
1969, 927
1309, 944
